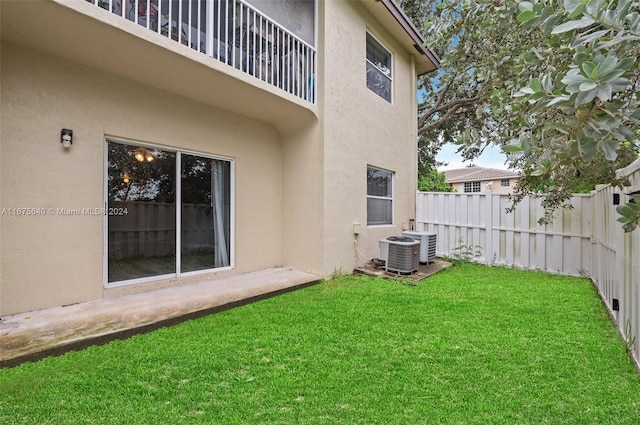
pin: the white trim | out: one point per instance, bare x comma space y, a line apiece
105, 218
385, 198
232, 215
206, 271
178, 212
135, 142
138, 281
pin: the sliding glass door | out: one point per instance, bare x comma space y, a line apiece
205, 220
168, 213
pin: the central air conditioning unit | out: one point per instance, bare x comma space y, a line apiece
400, 254
427, 245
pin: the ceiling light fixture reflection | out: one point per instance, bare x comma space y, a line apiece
144, 155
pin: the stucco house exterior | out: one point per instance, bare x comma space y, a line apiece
152, 143
482, 179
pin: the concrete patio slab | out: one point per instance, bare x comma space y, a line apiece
34, 335
424, 270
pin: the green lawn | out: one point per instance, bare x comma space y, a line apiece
470, 345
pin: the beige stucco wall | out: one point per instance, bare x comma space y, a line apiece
497, 188
302, 203
300, 184
303, 237
54, 260
362, 129
494, 187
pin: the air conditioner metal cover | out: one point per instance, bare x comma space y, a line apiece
427, 244
401, 254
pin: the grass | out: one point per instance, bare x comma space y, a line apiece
470, 345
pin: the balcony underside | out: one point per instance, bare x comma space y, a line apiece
85, 34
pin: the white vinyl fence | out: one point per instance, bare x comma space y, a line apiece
583, 241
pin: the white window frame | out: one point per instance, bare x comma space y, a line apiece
387, 198
391, 71
178, 273
505, 183
472, 187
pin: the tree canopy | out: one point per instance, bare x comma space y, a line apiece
433, 181
553, 82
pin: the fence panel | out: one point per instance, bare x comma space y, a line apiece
509, 239
628, 269
149, 229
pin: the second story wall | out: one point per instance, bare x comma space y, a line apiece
362, 129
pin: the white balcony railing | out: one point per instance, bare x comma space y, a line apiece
232, 32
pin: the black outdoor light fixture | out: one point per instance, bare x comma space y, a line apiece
66, 137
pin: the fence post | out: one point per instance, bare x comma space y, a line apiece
489, 225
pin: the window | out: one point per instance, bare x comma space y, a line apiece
505, 182
379, 76
379, 197
472, 187
169, 212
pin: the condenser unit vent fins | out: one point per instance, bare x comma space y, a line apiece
401, 254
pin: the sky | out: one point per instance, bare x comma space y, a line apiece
492, 157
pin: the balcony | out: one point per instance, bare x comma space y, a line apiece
224, 53
233, 32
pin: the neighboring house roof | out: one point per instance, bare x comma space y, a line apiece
470, 174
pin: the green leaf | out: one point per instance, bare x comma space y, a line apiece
558, 99
587, 148
573, 25
626, 63
580, 57
587, 68
569, 5
512, 148
547, 83
578, 10
588, 85
525, 6
536, 85
524, 90
610, 149
526, 16
626, 133
588, 38
623, 210
585, 97
630, 214
594, 7
607, 66
604, 92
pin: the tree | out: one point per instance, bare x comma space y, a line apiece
585, 110
553, 82
433, 181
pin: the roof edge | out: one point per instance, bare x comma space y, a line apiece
396, 11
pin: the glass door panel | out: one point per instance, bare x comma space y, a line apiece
205, 214
142, 228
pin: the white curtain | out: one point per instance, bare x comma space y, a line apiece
218, 177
